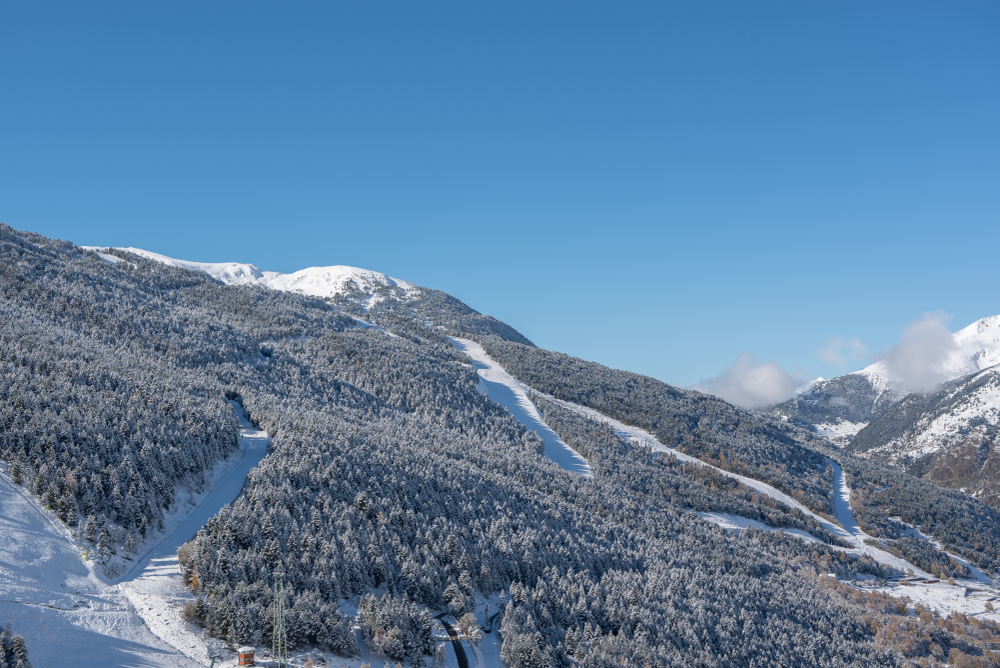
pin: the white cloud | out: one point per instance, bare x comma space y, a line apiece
840, 351
751, 384
917, 362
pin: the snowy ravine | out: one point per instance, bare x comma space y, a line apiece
514, 395
70, 615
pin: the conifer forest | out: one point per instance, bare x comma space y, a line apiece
392, 481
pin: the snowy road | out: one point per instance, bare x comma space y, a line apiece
69, 616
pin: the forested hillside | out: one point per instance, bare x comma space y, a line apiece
698, 424
394, 479
762, 447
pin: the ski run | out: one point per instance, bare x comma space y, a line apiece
57, 599
966, 596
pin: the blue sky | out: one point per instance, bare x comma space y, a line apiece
656, 186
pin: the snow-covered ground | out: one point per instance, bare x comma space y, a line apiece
853, 533
840, 432
510, 393
737, 523
312, 281
65, 607
154, 585
66, 613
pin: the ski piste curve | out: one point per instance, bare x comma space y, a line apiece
66, 612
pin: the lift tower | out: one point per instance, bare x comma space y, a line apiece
279, 648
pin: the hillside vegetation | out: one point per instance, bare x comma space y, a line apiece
392, 479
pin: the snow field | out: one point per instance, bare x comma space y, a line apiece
312, 281
841, 431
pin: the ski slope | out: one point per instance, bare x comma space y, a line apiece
66, 614
511, 393
504, 389
154, 585
70, 615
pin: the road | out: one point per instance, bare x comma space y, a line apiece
463, 661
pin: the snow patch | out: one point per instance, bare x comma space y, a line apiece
737, 523
841, 431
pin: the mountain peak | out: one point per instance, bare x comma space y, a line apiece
320, 282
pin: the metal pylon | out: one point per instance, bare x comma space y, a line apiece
279, 649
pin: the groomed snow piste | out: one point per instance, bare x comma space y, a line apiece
504, 389
69, 614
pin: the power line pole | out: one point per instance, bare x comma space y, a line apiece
279, 649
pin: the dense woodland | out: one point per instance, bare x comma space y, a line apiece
762, 447
392, 479
662, 477
697, 424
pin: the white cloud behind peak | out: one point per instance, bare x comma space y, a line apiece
839, 351
750, 383
918, 362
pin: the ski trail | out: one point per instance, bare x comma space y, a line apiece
69, 616
254, 444
155, 585
492, 374
51, 597
941, 596
852, 531
510, 393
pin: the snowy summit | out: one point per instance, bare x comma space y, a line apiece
323, 282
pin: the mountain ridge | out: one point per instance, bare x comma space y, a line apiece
394, 487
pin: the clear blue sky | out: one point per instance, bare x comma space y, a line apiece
655, 186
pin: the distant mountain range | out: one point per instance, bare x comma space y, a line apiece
946, 435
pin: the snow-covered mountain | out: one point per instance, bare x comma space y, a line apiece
394, 487
946, 435
323, 282
840, 407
